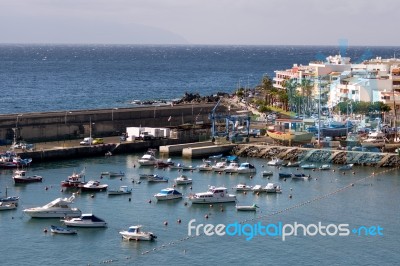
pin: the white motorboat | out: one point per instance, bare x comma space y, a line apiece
85, 220
148, 160
346, 167
267, 173
205, 166
258, 188
246, 168
188, 168
308, 166
20, 176
183, 180
93, 186
62, 230
242, 187
325, 167
168, 194
273, 188
122, 190
232, 168
135, 233
156, 178
213, 195
7, 206
374, 139
219, 166
58, 208
246, 207
114, 174
275, 162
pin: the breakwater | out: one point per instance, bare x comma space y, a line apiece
317, 155
66, 125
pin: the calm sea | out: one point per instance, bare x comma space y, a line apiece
327, 198
103, 76
94, 77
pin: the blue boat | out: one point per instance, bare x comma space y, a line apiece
285, 175
62, 230
346, 167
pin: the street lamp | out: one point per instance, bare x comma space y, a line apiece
16, 129
65, 118
90, 130
112, 113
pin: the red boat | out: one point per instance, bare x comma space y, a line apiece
73, 180
21, 177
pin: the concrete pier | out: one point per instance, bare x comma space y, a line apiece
205, 151
178, 148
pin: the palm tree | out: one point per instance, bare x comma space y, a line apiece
290, 85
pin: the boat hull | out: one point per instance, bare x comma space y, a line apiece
216, 200
293, 137
37, 213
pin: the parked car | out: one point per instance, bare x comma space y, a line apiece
86, 141
98, 141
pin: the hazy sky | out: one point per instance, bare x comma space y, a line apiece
258, 22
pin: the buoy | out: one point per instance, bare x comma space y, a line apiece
222, 209
354, 173
251, 177
245, 192
134, 166
284, 179
290, 196
120, 178
291, 189
150, 201
352, 184
174, 185
185, 203
165, 223
45, 230
61, 190
206, 216
211, 205
129, 199
258, 193
333, 170
262, 165
46, 188
179, 221
92, 196
344, 173
101, 177
190, 187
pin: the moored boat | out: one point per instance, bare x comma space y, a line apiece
62, 230
246, 207
134, 233
325, 167
156, 178
213, 195
20, 176
168, 194
267, 173
205, 166
275, 162
93, 185
58, 208
122, 190
308, 166
285, 175
232, 168
85, 220
346, 167
246, 168
183, 180
7, 206
242, 187
74, 180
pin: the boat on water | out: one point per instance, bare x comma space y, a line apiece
20, 176
242, 187
205, 166
285, 175
188, 168
58, 208
135, 233
246, 168
300, 176
122, 190
156, 178
168, 194
247, 207
183, 180
7, 206
113, 174
325, 167
9, 199
93, 186
346, 167
292, 164
219, 166
164, 164
374, 139
62, 230
273, 188
74, 180
308, 166
232, 168
213, 195
85, 220
148, 159
275, 162
267, 173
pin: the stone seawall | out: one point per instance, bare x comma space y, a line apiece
317, 155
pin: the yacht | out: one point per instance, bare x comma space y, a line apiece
246, 168
213, 195
375, 139
58, 208
168, 194
134, 233
85, 220
232, 168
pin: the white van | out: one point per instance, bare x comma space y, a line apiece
86, 141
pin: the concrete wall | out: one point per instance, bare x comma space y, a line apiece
36, 127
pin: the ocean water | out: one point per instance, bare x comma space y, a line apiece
110, 76
328, 198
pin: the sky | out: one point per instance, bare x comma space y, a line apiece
204, 22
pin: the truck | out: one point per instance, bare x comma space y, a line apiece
146, 136
86, 141
133, 133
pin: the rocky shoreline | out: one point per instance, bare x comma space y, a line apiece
321, 156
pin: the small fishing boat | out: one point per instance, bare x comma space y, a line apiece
213, 195
114, 174
325, 167
20, 176
346, 167
267, 173
242, 187
247, 208
275, 162
122, 190
246, 168
308, 166
62, 230
85, 220
292, 164
156, 178
93, 185
134, 233
168, 194
285, 175
232, 168
9, 199
183, 180
7, 206
300, 176
205, 166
